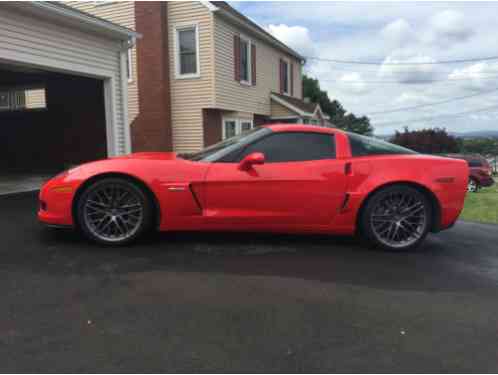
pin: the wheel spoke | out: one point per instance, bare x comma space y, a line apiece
398, 219
113, 212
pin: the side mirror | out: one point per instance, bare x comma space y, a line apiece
252, 159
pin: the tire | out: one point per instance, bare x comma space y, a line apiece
114, 211
396, 218
473, 185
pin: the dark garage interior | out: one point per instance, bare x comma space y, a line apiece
48, 122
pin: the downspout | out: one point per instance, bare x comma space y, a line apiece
130, 43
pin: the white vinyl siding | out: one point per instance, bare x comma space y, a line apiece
230, 94
278, 110
190, 96
49, 45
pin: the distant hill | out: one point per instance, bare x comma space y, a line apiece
465, 135
476, 134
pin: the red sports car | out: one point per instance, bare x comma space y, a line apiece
276, 178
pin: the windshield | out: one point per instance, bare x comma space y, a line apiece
221, 149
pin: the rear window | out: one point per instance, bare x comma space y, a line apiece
364, 146
475, 163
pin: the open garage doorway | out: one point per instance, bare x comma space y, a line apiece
49, 122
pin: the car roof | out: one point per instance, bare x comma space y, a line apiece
301, 128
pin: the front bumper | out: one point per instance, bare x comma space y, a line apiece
55, 201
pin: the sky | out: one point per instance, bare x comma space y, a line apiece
391, 36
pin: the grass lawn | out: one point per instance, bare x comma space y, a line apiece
482, 206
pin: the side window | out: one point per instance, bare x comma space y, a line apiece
363, 146
474, 163
293, 146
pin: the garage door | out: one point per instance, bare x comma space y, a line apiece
31, 36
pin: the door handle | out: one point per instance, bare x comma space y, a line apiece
348, 169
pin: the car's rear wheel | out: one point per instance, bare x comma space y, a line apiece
472, 185
397, 218
114, 211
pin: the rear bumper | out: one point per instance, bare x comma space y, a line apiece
486, 181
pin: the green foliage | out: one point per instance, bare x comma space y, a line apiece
334, 109
427, 141
483, 146
482, 206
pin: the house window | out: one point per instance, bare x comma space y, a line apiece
285, 77
187, 51
22, 99
233, 127
129, 66
245, 61
245, 125
4, 101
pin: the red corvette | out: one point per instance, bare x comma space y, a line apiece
276, 178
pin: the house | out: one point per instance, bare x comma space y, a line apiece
203, 72
63, 88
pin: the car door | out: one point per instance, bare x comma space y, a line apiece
300, 183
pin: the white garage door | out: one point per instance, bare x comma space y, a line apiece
28, 36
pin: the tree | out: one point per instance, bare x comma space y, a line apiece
338, 115
428, 141
483, 146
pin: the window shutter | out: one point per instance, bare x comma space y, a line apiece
292, 79
253, 64
236, 57
281, 72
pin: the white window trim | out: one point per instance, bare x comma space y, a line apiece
130, 65
249, 60
238, 125
177, 28
287, 61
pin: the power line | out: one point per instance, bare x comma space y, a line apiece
430, 118
422, 82
403, 63
449, 100
405, 70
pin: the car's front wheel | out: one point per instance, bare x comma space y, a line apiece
113, 211
397, 218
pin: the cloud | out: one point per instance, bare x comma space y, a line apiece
476, 77
449, 27
412, 98
353, 83
405, 72
398, 33
297, 37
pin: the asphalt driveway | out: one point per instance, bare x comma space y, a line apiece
243, 302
